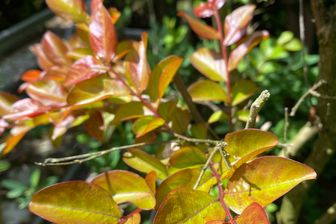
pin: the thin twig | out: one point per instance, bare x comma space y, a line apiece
196, 140
303, 40
221, 194
286, 126
303, 97
256, 107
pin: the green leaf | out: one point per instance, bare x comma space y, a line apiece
293, 45
126, 186
200, 28
143, 162
128, 111
146, 124
188, 206
184, 178
96, 89
162, 75
242, 90
246, 144
209, 63
69, 9
285, 37
243, 115
187, 157
4, 165
75, 202
264, 180
253, 214
206, 90
217, 116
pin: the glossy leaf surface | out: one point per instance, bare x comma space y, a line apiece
209, 64
253, 214
69, 9
245, 144
264, 180
204, 10
184, 205
206, 90
143, 162
147, 124
126, 186
236, 23
200, 28
242, 90
128, 111
187, 156
55, 49
75, 202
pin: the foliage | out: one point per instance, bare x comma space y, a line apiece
95, 81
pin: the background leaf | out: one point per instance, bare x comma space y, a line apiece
206, 90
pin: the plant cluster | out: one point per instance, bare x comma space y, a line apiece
99, 82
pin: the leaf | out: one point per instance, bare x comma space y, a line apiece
184, 178
238, 53
200, 28
32, 75
47, 92
246, 144
11, 141
147, 124
25, 108
187, 156
96, 89
66, 122
6, 101
83, 69
205, 10
143, 162
206, 90
236, 23
151, 181
69, 9
184, 205
134, 219
253, 214
128, 111
242, 90
42, 58
103, 37
217, 116
137, 67
55, 49
126, 186
209, 64
162, 75
75, 202
94, 126
264, 180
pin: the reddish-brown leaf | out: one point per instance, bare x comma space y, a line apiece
42, 59
253, 214
103, 37
206, 9
200, 28
32, 75
55, 49
238, 53
236, 23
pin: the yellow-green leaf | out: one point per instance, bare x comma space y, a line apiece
186, 157
143, 162
69, 9
187, 206
264, 180
128, 111
242, 90
75, 202
209, 63
126, 186
146, 124
206, 90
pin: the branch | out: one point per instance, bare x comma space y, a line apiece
256, 107
328, 217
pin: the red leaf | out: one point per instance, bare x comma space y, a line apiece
103, 38
236, 23
83, 69
200, 28
55, 49
205, 10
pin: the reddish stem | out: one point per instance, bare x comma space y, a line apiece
221, 194
225, 59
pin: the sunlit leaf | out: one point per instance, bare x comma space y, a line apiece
238, 53
184, 178
6, 101
137, 67
185, 205
243, 115
114, 13
32, 75
187, 156
217, 116
11, 141
42, 59
206, 90
236, 23
143, 162
96, 89
204, 10
264, 180
245, 144
55, 49
147, 124
126, 186
134, 219
67, 122
162, 75
253, 214
103, 37
25, 108
200, 28
242, 90
151, 181
69, 9
128, 111
209, 64
75, 202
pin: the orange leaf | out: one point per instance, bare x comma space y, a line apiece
31, 75
253, 214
